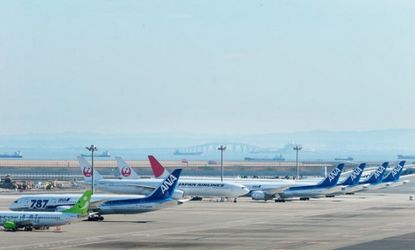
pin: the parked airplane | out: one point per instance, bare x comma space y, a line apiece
103, 203
326, 186
259, 189
13, 220
194, 188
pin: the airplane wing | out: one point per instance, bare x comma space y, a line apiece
273, 191
143, 189
94, 205
179, 202
408, 177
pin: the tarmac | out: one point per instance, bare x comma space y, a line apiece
381, 220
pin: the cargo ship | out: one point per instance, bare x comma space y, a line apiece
406, 156
344, 158
16, 154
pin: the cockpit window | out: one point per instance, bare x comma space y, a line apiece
15, 201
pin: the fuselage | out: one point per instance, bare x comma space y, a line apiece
201, 188
308, 191
50, 202
38, 218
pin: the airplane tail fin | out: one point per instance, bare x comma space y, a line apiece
376, 177
167, 187
86, 170
354, 177
81, 207
125, 171
395, 173
332, 179
158, 170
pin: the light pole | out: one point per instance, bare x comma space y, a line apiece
221, 148
92, 149
297, 148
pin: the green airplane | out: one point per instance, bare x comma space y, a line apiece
13, 220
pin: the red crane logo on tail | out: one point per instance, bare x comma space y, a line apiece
126, 171
87, 171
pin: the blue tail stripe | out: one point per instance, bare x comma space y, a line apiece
166, 188
328, 182
377, 176
354, 177
395, 173
332, 179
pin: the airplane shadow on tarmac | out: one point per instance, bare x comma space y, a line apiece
123, 221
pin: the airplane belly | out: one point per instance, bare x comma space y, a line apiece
302, 193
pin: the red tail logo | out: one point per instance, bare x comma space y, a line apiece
158, 169
87, 171
126, 171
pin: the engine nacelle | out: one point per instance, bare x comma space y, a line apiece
178, 194
62, 208
258, 195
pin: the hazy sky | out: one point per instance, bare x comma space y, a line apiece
206, 66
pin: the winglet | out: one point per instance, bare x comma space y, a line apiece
81, 207
124, 170
158, 170
332, 179
166, 188
354, 177
395, 173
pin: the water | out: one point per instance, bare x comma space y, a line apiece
70, 153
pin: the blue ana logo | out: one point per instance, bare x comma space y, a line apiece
64, 200
355, 173
167, 183
333, 174
379, 171
396, 170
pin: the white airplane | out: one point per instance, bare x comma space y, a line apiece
104, 203
305, 192
261, 190
13, 220
194, 188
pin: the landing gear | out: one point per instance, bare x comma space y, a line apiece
351, 193
95, 217
28, 228
304, 198
235, 200
279, 200
330, 195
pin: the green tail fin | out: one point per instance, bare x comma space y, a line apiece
82, 205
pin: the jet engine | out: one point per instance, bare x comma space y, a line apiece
258, 195
178, 194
